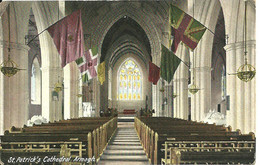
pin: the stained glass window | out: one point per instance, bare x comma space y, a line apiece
129, 81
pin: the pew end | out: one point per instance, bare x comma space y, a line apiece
15, 129
252, 134
230, 128
238, 131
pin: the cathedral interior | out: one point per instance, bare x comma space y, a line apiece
198, 110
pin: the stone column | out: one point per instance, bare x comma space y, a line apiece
181, 101
242, 94
204, 77
169, 106
67, 93
71, 91
201, 100
80, 98
15, 89
51, 109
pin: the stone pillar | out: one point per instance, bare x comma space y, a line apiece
242, 94
51, 109
15, 89
71, 91
80, 105
205, 90
181, 101
169, 94
67, 92
200, 101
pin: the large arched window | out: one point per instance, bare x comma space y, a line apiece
36, 82
129, 81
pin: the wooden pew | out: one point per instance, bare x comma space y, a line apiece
216, 152
89, 138
153, 132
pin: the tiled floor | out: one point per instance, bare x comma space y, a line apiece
124, 147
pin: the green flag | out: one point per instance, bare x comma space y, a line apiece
184, 28
85, 78
169, 64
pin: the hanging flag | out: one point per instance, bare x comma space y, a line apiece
68, 37
84, 78
89, 69
101, 72
184, 28
81, 61
154, 73
169, 64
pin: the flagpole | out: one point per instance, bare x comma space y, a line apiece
48, 28
185, 63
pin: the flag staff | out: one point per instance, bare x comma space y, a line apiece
48, 27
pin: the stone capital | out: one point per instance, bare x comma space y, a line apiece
53, 69
202, 69
181, 80
239, 45
15, 46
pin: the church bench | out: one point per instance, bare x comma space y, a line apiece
153, 135
76, 122
39, 149
215, 152
93, 137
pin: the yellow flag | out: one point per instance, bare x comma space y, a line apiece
101, 72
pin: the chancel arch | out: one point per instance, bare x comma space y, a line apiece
125, 39
126, 84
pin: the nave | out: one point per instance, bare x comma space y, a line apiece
185, 69
145, 140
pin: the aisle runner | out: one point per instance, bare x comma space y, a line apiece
124, 148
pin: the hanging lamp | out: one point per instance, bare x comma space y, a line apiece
245, 72
9, 67
58, 86
193, 89
174, 95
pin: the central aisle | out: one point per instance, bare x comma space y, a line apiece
124, 147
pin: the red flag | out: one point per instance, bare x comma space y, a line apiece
68, 37
154, 73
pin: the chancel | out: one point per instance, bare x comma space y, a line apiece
128, 82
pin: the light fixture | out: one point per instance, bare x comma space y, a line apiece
79, 95
193, 89
162, 90
174, 96
58, 87
9, 67
245, 72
